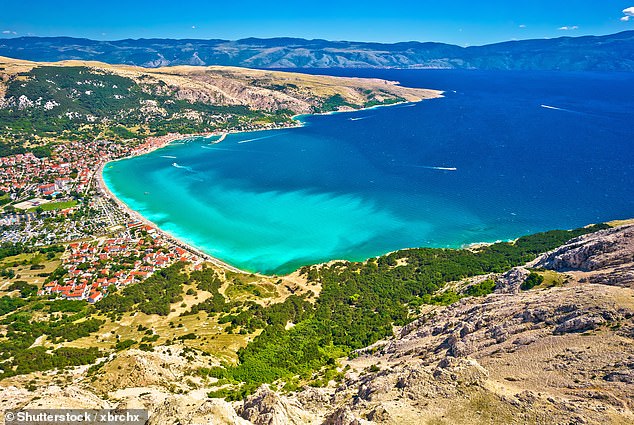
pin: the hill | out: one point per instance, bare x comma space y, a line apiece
613, 52
79, 99
549, 341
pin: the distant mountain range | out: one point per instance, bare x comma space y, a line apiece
611, 52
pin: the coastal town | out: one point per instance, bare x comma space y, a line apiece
59, 199
92, 267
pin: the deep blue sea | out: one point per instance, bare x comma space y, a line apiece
503, 154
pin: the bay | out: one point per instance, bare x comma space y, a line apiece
503, 154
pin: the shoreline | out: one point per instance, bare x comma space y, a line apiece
135, 215
156, 143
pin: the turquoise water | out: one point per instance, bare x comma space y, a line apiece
492, 160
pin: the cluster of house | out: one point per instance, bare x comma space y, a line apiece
71, 165
92, 267
18, 171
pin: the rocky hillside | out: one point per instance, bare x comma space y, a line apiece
605, 260
559, 353
610, 52
83, 98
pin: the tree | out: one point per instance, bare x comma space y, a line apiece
533, 280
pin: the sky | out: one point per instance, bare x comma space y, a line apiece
461, 22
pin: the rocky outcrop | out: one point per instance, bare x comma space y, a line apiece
266, 407
186, 411
511, 281
582, 323
53, 397
605, 257
344, 416
164, 367
460, 371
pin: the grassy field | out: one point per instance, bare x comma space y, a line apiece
243, 287
211, 336
616, 223
28, 267
551, 278
54, 206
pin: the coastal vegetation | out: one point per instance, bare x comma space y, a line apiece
152, 296
361, 302
294, 341
8, 249
59, 320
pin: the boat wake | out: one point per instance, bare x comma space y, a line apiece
438, 168
257, 138
431, 167
182, 167
168, 156
213, 148
590, 114
360, 118
554, 108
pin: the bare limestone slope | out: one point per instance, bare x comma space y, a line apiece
217, 85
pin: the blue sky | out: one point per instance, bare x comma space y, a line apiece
463, 22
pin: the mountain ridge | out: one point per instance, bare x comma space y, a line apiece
614, 52
47, 99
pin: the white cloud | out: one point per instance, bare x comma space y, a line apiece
522, 26
629, 14
625, 18
193, 27
9, 32
572, 28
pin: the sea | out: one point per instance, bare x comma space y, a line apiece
501, 155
